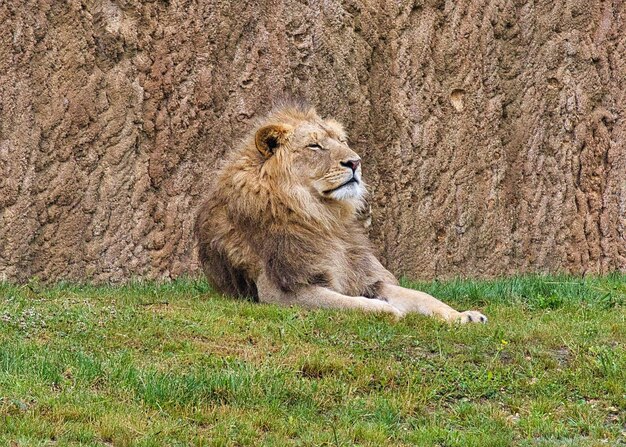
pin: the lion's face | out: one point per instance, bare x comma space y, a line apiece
316, 156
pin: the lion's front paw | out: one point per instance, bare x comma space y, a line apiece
471, 316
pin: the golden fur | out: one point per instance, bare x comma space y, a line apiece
280, 223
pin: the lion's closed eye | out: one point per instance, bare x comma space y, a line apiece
315, 146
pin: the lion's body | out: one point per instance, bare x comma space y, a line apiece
250, 223
280, 223
232, 249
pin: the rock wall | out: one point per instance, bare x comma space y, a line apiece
493, 132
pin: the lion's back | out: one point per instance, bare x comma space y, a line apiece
225, 257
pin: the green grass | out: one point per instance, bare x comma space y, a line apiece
176, 365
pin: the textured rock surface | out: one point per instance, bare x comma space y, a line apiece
493, 132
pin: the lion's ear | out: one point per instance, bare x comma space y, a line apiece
269, 138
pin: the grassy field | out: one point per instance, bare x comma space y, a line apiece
177, 365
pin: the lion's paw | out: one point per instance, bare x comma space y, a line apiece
471, 316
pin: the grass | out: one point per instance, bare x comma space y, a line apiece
174, 364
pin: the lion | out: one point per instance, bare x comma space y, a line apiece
280, 224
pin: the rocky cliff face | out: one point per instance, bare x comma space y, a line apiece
493, 132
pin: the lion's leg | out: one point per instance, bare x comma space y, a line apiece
320, 297
408, 300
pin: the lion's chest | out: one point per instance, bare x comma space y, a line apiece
350, 268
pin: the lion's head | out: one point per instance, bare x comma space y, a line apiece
310, 154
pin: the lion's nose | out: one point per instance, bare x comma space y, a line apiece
352, 164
